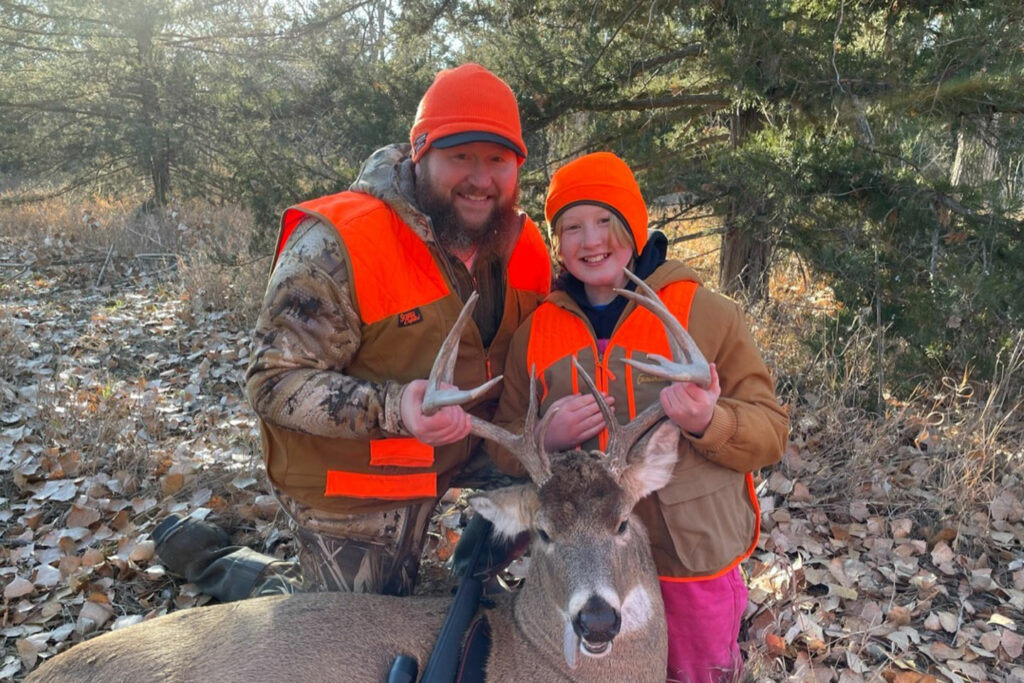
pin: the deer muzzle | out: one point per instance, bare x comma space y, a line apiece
596, 625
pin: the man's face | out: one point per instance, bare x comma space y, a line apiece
469, 191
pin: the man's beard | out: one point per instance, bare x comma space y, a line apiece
453, 234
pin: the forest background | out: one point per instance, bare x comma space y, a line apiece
852, 171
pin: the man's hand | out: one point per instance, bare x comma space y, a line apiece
578, 419
448, 425
690, 406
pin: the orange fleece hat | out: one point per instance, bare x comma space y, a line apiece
604, 179
467, 104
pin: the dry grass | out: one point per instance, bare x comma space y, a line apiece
692, 240
201, 249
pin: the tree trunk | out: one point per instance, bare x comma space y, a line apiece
160, 170
745, 263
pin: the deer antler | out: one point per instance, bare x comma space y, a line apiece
443, 369
695, 369
528, 446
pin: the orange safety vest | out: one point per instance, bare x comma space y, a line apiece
406, 308
558, 334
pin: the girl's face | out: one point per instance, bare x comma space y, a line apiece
592, 252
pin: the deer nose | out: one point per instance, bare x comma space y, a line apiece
597, 621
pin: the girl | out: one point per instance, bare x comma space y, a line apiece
705, 521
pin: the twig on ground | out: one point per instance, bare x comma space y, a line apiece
103, 269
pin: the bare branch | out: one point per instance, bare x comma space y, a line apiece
712, 101
644, 65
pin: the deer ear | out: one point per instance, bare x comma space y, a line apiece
510, 509
653, 469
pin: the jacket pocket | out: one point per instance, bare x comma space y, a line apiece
709, 516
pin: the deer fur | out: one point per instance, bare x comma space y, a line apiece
587, 548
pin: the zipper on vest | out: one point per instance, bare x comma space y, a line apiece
487, 364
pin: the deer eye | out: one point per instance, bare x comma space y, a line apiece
543, 535
622, 527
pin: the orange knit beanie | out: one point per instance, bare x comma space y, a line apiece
467, 104
604, 179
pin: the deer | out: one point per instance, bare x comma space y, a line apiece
589, 609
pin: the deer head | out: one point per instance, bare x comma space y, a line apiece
589, 556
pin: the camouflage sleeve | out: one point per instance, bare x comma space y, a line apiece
306, 334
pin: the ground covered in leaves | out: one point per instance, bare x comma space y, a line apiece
886, 554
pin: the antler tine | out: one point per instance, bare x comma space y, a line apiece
443, 369
606, 412
616, 456
528, 446
528, 449
695, 368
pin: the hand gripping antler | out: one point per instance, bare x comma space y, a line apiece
528, 446
693, 369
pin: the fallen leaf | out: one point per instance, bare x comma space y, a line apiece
172, 482
941, 652
912, 677
143, 551
1013, 644
82, 516
59, 490
949, 621
8, 671
28, 651
775, 643
855, 663
973, 671
92, 557
1001, 620
92, 617
990, 641
18, 587
898, 615
900, 528
942, 554
126, 620
47, 576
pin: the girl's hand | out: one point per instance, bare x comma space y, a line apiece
577, 420
690, 406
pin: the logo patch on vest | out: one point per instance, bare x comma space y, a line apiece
410, 318
644, 378
418, 143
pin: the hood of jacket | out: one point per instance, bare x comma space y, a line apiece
389, 175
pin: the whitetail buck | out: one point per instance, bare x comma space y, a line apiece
590, 609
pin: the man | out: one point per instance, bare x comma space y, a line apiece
365, 286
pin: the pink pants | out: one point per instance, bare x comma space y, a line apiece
703, 628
